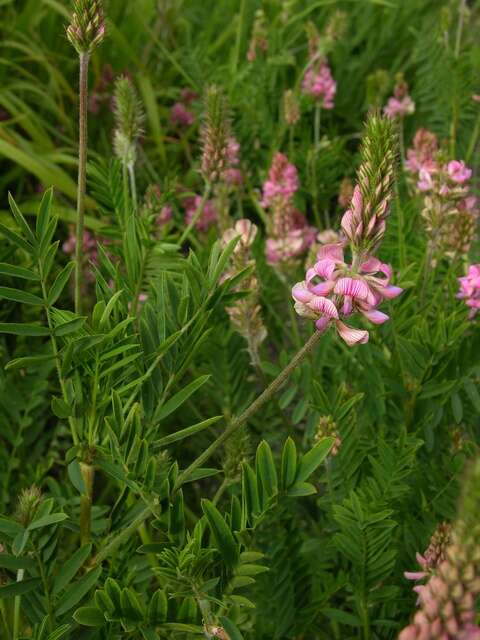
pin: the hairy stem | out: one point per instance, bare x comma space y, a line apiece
262, 399
82, 179
88, 474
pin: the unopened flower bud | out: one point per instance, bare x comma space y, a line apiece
87, 25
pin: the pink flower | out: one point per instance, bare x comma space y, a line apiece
208, 216
425, 182
179, 115
470, 289
458, 172
282, 181
332, 290
422, 155
398, 108
165, 216
320, 85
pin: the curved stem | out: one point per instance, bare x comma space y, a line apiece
82, 179
197, 214
262, 399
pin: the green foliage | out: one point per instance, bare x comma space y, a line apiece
130, 506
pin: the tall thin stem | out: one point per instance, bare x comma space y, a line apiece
16, 607
82, 178
461, 19
262, 399
197, 215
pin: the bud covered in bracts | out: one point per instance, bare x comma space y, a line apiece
87, 25
28, 503
364, 223
216, 134
129, 118
245, 314
212, 631
259, 40
291, 108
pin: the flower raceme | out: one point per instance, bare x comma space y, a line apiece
333, 290
319, 84
470, 289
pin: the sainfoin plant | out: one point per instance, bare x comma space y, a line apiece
239, 329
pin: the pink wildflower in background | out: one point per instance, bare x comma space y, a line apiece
208, 216
400, 104
318, 83
470, 289
165, 216
282, 182
289, 233
180, 115
423, 153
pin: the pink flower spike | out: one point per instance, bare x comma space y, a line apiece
458, 172
323, 305
300, 293
357, 202
352, 287
347, 223
375, 316
350, 335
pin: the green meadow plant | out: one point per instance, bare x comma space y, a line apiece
239, 385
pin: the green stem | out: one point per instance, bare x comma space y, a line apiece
238, 39
461, 17
16, 607
262, 399
121, 536
133, 186
47, 593
56, 353
318, 116
82, 178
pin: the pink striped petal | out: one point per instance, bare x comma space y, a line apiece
322, 289
352, 287
375, 316
350, 335
371, 265
323, 305
357, 203
300, 293
347, 223
325, 268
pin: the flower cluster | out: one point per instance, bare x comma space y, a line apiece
180, 113
333, 289
450, 210
400, 104
87, 25
290, 235
434, 555
447, 601
207, 217
318, 83
245, 315
219, 149
423, 153
470, 289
